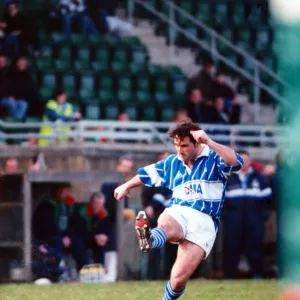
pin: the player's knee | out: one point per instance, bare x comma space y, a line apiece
178, 281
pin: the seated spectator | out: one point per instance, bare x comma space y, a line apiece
52, 225
11, 166
71, 11
91, 224
18, 32
221, 116
197, 110
19, 93
103, 15
58, 109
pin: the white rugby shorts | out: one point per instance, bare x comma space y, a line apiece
197, 226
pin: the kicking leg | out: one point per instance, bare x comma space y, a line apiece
168, 229
188, 258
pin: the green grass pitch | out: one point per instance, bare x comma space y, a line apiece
144, 290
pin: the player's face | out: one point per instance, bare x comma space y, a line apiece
186, 149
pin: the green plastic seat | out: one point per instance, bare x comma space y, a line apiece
69, 84
59, 38
143, 97
143, 83
203, 11
119, 66
49, 80
82, 66
45, 64
167, 114
63, 66
161, 84
106, 82
138, 56
106, 96
238, 13
79, 39
87, 81
111, 112
132, 112
245, 37
65, 53
222, 14
125, 97
92, 111
46, 93
149, 113
162, 98
102, 55
83, 54
99, 66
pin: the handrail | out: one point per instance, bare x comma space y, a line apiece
220, 56
226, 41
149, 132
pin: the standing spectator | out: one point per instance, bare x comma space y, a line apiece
58, 109
18, 92
51, 225
19, 31
204, 80
221, 116
221, 88
91, 223
244, 219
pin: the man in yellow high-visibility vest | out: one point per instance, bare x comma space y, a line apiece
58, 109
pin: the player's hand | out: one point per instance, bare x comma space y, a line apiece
201, 137
121, 192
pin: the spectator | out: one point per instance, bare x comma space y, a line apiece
123, 170
204, 80
103, 15
74, 11
19, 93
58, 109
245, 213
124, 117
11, 166
220, 116
222, 89
197, 110
51, 225
3, 67
180, 116
91, 224
19, 31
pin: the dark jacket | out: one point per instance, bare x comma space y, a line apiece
86, 225
49, 221
255, 193
18, 22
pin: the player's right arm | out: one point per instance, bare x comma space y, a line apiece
123, 190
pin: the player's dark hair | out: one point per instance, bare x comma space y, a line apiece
242, 151
183, 130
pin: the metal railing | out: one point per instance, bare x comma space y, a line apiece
139, 132
258, 67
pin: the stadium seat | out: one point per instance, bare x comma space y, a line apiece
167, 114
87, 86
148, 113
69, 84
59, 38
102, 55
132, 112
238, 13
92, 111
63, 65
99, 66
45, 64
65, 53
49, 80
203, 11
138, 55
222, 13
83, 54
111, 112
79, 39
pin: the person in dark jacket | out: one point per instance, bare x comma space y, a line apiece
19, 32
90, 222
52, 225
19, 93
247, 197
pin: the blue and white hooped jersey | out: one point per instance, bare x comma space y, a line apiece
202, 187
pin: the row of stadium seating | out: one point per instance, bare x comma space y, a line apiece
106, 75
